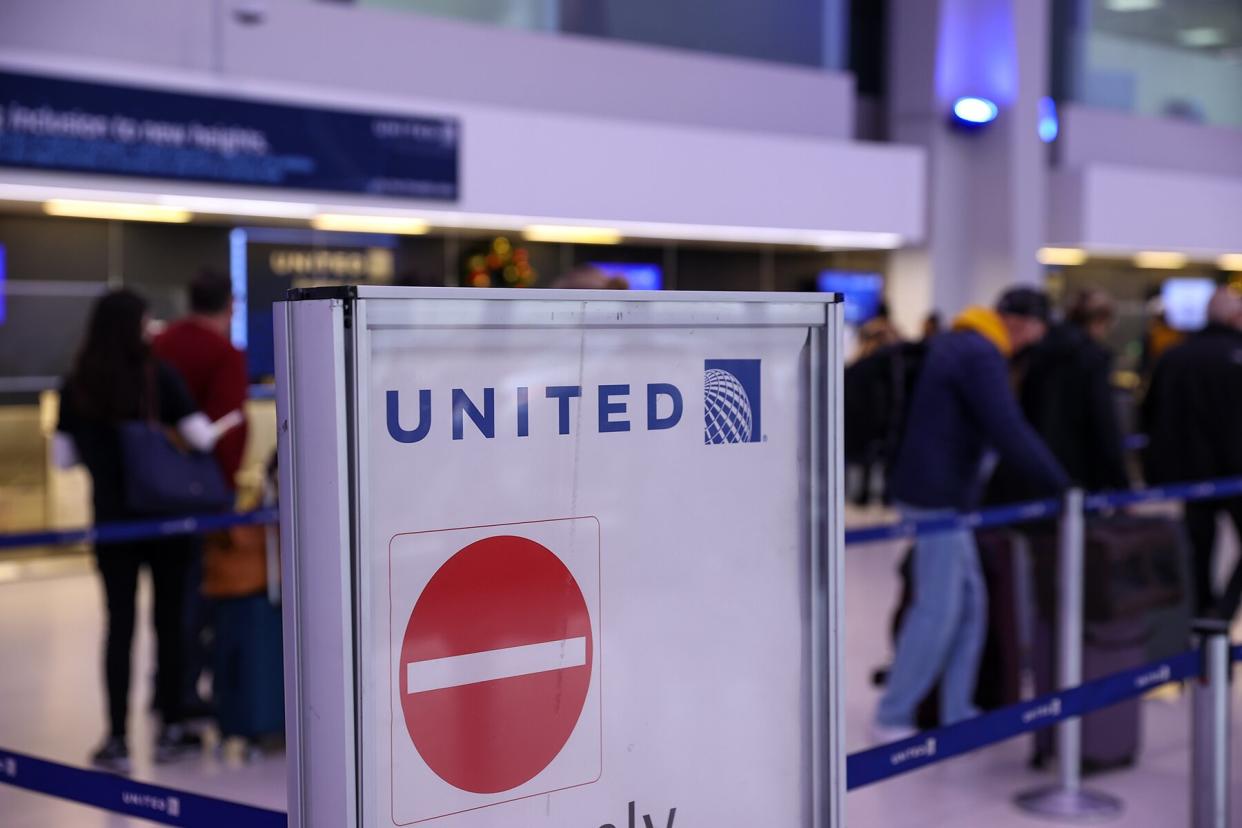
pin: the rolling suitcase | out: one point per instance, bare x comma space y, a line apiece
249, 677
1110, 737
1133, 590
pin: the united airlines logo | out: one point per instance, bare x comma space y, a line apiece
1051, 710
731, 401
924, 750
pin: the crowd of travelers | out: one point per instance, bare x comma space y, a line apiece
156, 415
1016, 403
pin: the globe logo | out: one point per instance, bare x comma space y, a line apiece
727, 415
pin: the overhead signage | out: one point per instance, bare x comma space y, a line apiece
78, 126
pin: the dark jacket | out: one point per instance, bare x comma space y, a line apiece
98, 441
1066, 394
1193, 410
962, 407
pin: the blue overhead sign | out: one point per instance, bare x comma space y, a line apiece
74, 126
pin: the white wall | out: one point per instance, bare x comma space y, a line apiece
1152, 76
580, 130
1090, 135
1126, 209
405, 54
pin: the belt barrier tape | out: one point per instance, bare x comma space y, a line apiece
125, 796
877, 764
999, 516
138, 529
173, 807
1043, 509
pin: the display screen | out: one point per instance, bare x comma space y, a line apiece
863, 292
56, 124
1186, 302
637, 276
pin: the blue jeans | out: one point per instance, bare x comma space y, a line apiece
942, 634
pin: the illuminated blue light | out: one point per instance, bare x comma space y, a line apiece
240, 280
975, 112
1049, 124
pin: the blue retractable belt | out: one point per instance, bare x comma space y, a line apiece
1043, 509
138, 529
870, 766
125, 796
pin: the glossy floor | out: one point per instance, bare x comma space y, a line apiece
50, 706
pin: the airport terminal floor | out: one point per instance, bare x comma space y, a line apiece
52, 707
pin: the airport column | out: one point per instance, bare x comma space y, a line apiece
986, 182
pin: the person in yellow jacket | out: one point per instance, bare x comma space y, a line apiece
963, 408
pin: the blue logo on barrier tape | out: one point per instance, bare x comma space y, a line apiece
924, 750
731, 401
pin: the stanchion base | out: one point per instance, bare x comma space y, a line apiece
1070, 806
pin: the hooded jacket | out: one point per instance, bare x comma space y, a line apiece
963, 407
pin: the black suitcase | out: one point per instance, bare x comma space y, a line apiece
1110, 737
1133, 595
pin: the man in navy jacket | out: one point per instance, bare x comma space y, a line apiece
963, 410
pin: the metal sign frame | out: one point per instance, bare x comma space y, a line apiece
322, 355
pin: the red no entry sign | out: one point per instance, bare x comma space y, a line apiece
495, 664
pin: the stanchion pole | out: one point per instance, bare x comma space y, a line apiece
1209, 773
1067, 800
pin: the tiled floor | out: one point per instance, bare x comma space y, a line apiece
50, 706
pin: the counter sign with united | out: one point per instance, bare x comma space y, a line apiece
496, 665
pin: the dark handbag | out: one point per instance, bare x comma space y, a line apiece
163, 477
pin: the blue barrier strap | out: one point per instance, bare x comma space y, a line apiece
1237, 652
1043, 509
139, 529
870, 766
1203, 490
999, 516
122, 795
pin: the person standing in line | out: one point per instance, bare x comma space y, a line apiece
114, 379
199, 348
962, 410
1066, 393
1193, 417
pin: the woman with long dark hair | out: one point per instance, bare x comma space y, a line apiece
116, 379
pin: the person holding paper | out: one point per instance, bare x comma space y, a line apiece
198, 347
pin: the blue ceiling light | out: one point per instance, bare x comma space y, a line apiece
973, 112
1049, 124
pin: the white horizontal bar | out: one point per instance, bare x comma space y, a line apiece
489, 665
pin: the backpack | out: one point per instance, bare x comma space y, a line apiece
878, 391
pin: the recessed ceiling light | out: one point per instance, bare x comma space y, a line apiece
1131, 5
353, 223
572, 234
1068, 256
1230, 261
115, 210
1160, 259
1202, 37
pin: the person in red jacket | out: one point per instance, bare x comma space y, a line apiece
199, 349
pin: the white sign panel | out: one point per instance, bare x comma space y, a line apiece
586, 569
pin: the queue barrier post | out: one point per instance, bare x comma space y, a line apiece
1209, 773
1068, 800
